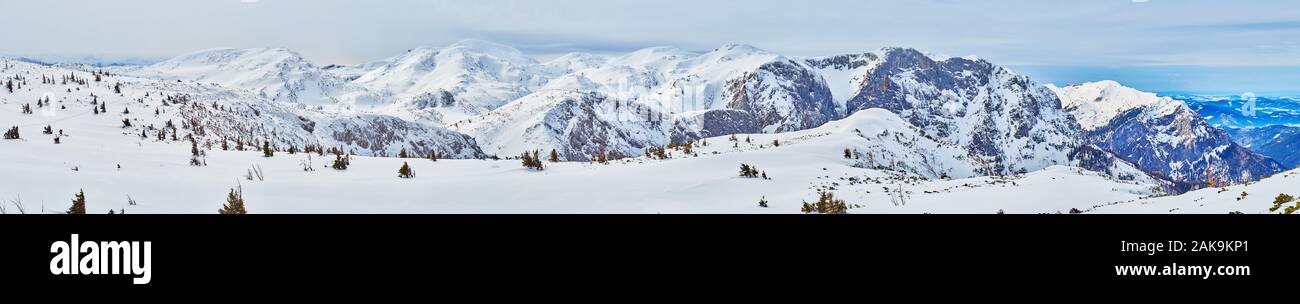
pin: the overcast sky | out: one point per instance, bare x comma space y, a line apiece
1165, 45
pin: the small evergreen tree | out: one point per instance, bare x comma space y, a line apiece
1280, 200
826, 204
531, 161
762, 202
126, 122
78, 203
341, 162
555, 157
266, 149
402, 153
847, 153
12, 133
405, 171
749, 171
234, 203
433, 155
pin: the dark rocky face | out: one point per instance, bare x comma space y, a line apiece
1182, 148
775, 84
1000, 117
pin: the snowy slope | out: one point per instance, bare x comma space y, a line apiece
582, 104
114, 167
215, 113
1250, 198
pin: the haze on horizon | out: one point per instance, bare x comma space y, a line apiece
1154, 45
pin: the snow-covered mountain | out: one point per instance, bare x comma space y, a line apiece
214, 114
900, 133
583, 104
1007, 122
273, 73
1161, 136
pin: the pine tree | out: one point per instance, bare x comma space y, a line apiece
826, 204
78, 203
126, 122
12, 133
405, 171
266, 149
234, 203
762, 202
848, 154
402, 153
433, 155
48, 130
117, 88
1280, 200
555, 157
341, 162
531, 161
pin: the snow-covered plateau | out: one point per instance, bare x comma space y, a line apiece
659, 130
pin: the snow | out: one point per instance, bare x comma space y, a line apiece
1094, 104
1258, 199
503, 103
156, 175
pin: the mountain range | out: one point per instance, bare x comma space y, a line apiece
966, 117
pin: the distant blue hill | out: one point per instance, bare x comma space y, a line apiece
1272, 130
